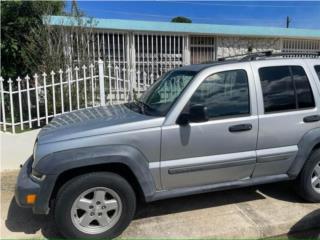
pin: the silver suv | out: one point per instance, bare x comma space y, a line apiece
200, 128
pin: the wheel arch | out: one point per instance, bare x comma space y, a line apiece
123, 160
309, 142
117, 168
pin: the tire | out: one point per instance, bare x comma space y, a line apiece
94, 205
310, 173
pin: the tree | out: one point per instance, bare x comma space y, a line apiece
18, 21
181, 19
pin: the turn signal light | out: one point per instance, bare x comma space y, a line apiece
31, 198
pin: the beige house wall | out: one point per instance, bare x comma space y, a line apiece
230, 46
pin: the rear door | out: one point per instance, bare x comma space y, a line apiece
314, 66
286, 93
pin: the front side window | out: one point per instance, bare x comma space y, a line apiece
224, 94
285, 88
159, 98
317, 68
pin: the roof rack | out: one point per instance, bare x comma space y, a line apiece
241, 56
254, 56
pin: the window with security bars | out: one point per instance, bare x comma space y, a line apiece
202, 49
301, 45
155, 55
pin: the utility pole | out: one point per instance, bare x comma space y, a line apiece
288, 21
74, 9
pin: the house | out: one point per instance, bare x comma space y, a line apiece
154, 46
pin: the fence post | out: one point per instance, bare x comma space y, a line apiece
11, 106
132, 63
27, 78
37, 98
44, 75
2, 105
20, 102
101, 83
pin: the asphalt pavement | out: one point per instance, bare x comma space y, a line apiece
254, 212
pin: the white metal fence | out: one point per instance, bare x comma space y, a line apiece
32, 101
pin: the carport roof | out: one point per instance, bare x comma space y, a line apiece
192, 28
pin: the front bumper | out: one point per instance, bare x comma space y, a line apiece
26, 185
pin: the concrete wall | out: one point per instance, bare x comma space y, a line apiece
230, 46
16, 148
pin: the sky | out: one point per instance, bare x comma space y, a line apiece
303, 14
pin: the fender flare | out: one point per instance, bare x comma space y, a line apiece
305, 146
59, 162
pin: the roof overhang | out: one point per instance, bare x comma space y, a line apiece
182, 28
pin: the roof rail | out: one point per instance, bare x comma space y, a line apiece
254, 56
264, 53
269, 53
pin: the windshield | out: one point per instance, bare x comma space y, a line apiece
160, 96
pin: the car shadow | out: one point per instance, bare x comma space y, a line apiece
283, 191
22, 219
301, 228
194, 202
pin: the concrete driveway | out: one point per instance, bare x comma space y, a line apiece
255, 212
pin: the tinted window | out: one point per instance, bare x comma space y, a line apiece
285, 88
304, 91
224, 94
277, 88
317, 68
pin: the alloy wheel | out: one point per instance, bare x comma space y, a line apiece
96, 210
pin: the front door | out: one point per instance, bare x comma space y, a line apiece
221, 149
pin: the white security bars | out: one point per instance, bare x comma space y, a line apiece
300, 45
154, 55
202, 49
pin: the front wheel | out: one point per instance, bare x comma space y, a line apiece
95, 205
309, 179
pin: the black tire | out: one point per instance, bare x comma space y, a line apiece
304, 185
76, 186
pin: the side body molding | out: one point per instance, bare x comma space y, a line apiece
58, 162
306, 144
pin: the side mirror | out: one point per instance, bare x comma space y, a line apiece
197, 113
183, 119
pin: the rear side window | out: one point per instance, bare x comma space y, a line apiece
317, 68
285, 88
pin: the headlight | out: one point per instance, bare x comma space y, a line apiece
37, 176
35, 149
34, 174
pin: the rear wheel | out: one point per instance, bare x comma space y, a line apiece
309, 179
95, 205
